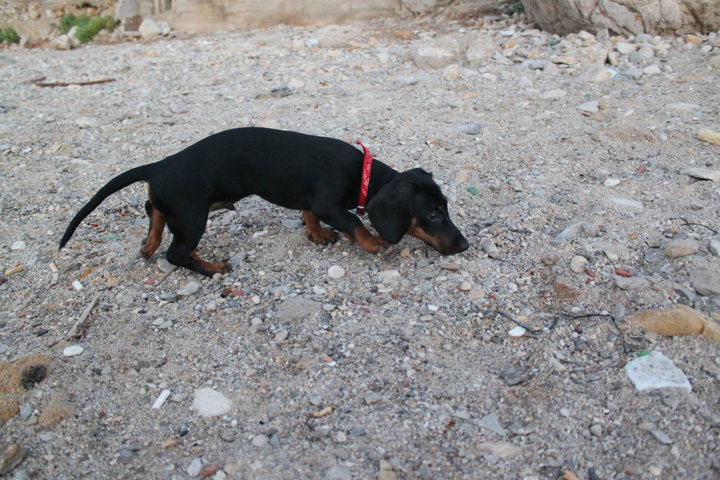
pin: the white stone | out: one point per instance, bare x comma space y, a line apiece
625, 48
627, 204
517, 331
611, 182
19, 245
149, 29
336, 272
72, 350
210, 403
655, 370
191, 287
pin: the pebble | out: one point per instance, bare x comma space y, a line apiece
189, 288
702, 173
578, 264
338, 472
706, 282
73, 350
655, 370
336, 272
475, 128
611, 182
492, 423
26, 411
631, 283
627, 204
517, 332
661, 436
714, 246
596, 430
19, 245
588, 108
194, 468
489, 247
210, 403
514, 375
260, 441
681, 248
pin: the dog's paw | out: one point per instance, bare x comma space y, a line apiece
322, 236
374, 244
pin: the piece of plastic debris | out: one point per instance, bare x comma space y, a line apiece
161, 399
654, 371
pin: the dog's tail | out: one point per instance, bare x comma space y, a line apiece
118, 183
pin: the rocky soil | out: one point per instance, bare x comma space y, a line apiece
582, 185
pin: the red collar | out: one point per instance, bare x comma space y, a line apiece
365, 182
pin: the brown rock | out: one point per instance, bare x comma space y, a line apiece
56, 410
627, 17
677, 320
564, 291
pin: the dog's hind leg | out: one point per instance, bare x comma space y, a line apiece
154, 236
186, 236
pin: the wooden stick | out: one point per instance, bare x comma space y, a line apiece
74, 330
67, 84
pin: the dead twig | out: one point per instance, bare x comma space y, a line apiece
78, 330
40, 83
166, 275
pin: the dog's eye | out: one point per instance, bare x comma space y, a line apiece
434, 216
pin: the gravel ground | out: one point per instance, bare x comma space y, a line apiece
310, 362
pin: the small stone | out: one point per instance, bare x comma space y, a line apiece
627, 204
655, 370
710, 136
517, 332
694, 39
338, 472
702, 173
73, 350
578, 263
194, 468
26, 411
681, 248
210, 403
564, 290
475, 128
19, 245
260, 440
652, 70
357, 431
489, 247
706, 282
501, 449
714, 246
86, 122
451, 73
596, 430
336, 272
631, 283
190, 287
625, 48
373, 397
611, 182
662, 437
588, 108
492, 423
514, 375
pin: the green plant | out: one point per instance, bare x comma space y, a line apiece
87, 27
9, 35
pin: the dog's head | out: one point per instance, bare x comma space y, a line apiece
413, 204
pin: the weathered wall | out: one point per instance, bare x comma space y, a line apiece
628, 17
212, 14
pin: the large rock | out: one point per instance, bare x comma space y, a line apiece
627, 17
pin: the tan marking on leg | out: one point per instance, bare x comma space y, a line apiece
212, 267
315, 232
154, 236
368, 242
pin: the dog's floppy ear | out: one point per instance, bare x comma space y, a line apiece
389, 210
